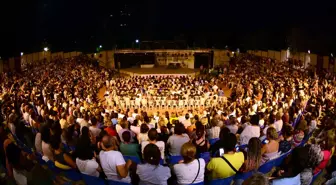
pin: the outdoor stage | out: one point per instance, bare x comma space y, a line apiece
159, 71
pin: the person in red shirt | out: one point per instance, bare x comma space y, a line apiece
111, 130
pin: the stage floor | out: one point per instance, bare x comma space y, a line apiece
159, 71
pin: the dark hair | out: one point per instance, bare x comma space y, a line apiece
56, 128
229, 142
45, 134
152, 134
146, 119
179, 129
187, 116
126, 135
288, 131
152, 154
254, 119
13, 154
55, 142
83, 151
223, 133
93, 121
200, 132
271, 133
144, 128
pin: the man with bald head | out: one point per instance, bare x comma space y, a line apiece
112, 161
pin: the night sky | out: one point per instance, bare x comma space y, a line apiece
68, 25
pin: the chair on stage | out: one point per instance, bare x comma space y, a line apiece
181, 103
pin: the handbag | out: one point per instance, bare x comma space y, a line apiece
232, 167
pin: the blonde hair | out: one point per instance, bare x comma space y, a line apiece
272, 133
204, 121
188, 152
124, 124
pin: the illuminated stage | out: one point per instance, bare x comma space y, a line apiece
159, 71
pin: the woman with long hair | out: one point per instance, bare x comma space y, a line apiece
201, 143
252, 156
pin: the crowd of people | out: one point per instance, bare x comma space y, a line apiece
272, 109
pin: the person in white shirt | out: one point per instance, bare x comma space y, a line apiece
95, 131
191, 170
134, 115
186, 122
233, 126
85, 161
181, 117
214, 130
63, 121
112, 161
278, 123
83, 122
250, 131
152, 172
153, 136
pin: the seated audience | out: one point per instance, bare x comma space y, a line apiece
86, 161
176, 141
112, 161
257, 179
202, 145
250, 131
190, 170
127, 148
151, 172
153, 136
270, 149
219, 167
143, 135
300, 132
62, 159
252, 156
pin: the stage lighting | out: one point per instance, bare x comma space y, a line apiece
45, 49
309, 51
137, 41
21, 53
